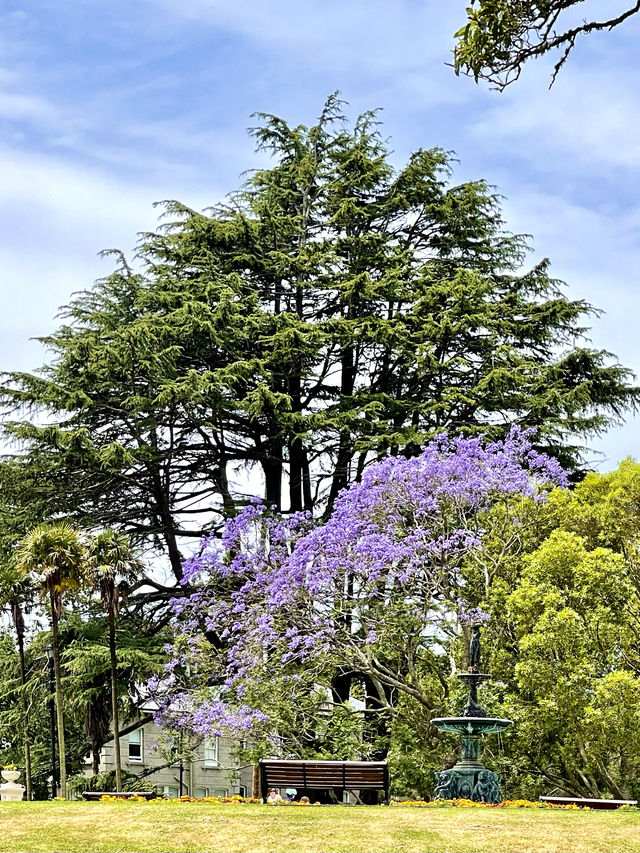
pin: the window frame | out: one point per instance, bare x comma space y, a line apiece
211, 745
139, 733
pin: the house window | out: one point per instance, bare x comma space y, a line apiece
242, 790
220, 792
202, 792
170, 791
135, 745
211, 751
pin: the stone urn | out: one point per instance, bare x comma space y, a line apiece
10, 792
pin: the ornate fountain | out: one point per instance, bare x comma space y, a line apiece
469, 778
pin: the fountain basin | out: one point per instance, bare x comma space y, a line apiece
477, 677
469, 778
472, 725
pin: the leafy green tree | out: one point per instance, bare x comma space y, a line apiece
106, 781
38, 693
16, 591
88, 669
335, 310
557, 664
54, 555
501, 36
575, 616
113, 566
85, 670
605, 510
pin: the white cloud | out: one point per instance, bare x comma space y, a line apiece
598, 249
17, 107
589, 117
61, 216
68, 190
597, 253
371, 33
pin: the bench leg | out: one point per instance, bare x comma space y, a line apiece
264, 791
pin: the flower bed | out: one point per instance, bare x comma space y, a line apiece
513, 804
135, 798
236, 799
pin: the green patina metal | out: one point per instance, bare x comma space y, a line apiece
469, 778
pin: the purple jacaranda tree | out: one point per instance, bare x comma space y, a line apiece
282, 602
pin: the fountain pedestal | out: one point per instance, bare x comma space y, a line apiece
468, 767
10, 792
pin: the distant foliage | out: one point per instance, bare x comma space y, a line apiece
107, 782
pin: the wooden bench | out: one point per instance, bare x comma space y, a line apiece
324, 775
95, 795
591, 803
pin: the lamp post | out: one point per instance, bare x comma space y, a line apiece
52, 722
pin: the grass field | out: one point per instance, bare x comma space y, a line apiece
153, 828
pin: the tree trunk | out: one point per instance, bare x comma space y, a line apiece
19, 626
340, 478
341, 685
299, 478
175, 557
114, 698
272, 467
58, 681
165, 516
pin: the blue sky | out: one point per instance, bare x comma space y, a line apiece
108, 107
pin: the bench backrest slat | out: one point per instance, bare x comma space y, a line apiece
315, 774
591, 802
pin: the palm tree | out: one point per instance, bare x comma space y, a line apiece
55, 556
113, 565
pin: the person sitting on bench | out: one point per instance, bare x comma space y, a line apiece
274, 797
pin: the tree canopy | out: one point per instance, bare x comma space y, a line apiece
501, 36
336, 309
563, 638
376, 591
88, 572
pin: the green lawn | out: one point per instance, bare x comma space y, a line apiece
149, 827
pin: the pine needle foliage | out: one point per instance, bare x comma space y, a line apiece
335, 309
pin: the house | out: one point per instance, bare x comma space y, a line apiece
213, 770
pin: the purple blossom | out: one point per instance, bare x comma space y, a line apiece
284, 592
